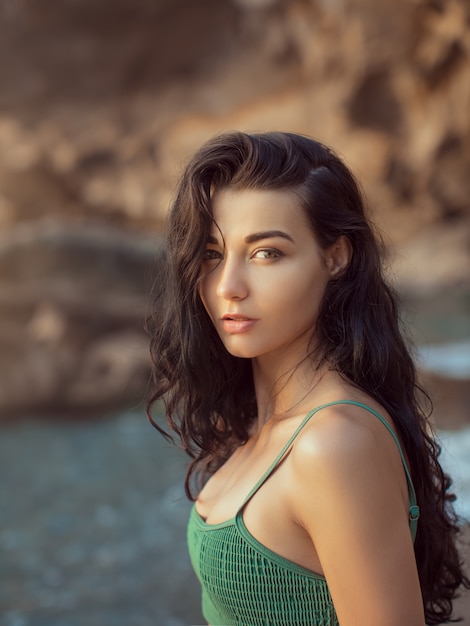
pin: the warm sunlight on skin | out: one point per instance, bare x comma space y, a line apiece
278, 354
263, 274
262, 281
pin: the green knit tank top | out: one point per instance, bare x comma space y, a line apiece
246, 584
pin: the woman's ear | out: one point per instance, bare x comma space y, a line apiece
338, 256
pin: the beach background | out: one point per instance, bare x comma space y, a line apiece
101, 104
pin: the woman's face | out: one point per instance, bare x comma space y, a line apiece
263, 275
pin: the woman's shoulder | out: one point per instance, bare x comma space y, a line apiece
345, 438
344, 470
346, 416
348, 492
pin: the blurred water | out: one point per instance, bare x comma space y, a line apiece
452, 360
92, 526
93, 518
455, 459
449, 359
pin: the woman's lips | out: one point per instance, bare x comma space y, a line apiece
234, 324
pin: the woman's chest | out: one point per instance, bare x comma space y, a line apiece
250, 467
227, 490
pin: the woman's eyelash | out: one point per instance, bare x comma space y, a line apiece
267, 253
261, 253
210, 255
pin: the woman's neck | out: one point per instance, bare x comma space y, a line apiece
282, 390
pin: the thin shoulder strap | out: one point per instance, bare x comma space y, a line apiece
413, 509
282, 453
413, 505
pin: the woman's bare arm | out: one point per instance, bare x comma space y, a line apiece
350, 495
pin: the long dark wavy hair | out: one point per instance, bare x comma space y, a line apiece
209, 394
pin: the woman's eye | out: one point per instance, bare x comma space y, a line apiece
267, 253
211, 255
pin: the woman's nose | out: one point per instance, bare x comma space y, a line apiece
232, 282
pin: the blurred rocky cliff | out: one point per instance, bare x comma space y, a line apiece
102, 102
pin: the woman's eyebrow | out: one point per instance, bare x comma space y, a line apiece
267, 234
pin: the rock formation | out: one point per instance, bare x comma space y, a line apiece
102, 102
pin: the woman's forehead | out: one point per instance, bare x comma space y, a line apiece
246, 214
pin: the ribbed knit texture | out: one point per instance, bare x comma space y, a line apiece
246, 584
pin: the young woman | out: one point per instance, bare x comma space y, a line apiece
278, 354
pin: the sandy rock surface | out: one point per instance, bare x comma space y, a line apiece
102, 103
